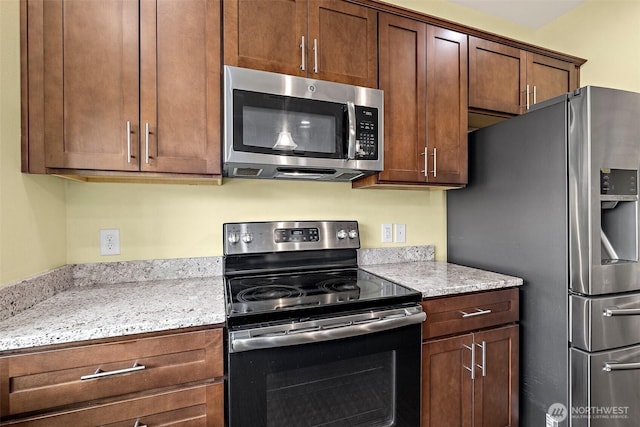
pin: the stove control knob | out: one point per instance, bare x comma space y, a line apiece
342, 234
233, 238
247, 238
353, 234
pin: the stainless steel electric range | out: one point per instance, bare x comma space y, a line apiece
313, 340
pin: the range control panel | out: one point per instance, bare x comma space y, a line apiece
283, 236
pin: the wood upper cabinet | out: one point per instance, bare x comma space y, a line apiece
325, 39
122, 85
180, 86
423, 72
505, 79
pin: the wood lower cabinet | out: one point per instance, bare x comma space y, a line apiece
506, 79
330, 40
171, 378
470, 360
423, 72
122, 86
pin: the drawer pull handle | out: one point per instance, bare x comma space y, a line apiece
137, 424
99, 373
615, 311
478, 312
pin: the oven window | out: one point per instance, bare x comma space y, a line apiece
353, 392
282, 125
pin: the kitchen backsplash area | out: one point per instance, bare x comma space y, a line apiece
23, 294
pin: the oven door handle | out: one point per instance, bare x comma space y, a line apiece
333, 333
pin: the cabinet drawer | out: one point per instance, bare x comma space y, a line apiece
457, 314
50, 379
190, 406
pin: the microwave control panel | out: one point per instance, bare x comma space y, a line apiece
366, 133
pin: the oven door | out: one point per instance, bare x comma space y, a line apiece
370, 380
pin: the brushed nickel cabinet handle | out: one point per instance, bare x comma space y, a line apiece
128, 141
527, 97
472, 369
99, 373
435, 162
137, 424
315, 56
302, 49
146, 142
535, 98
483, 367
478, 312
424, 153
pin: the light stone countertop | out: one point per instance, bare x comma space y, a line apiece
110, 310
89, 302
435, 278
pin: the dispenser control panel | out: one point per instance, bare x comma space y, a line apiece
618, 182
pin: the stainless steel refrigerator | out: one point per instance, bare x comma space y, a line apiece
553, 198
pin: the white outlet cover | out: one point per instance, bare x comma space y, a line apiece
110, 242
387, 233
400, 233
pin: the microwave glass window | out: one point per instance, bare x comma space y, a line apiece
288, 130
284, 125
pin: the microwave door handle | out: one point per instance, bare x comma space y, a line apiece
351, 148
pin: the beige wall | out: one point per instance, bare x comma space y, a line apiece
45, 222
33, 217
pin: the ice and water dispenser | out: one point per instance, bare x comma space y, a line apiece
619, 215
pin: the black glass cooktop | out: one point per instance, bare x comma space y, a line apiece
270, 297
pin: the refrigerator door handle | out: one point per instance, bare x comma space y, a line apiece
615, 311
615, 366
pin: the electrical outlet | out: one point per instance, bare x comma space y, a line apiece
387, 233
110, 242
401, 233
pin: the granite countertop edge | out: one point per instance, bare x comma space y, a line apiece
82, 310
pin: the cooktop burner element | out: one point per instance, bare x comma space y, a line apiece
268, 292
269, 278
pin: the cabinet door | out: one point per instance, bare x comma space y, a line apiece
403, 77
266, 35
342, 43
496, 383
446, 382
180, 86
90, 87
549, 77
446, 106
497, 76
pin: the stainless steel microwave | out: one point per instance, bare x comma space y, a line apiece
281, 126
